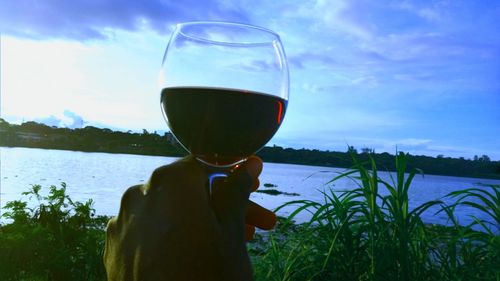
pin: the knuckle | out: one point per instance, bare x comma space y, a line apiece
129, 199
158, 174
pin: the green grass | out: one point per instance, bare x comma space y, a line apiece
361, 235
358, 234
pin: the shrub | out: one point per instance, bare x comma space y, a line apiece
58, 239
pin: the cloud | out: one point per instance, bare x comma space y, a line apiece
336, 16
300, 60
366, 81
83, 20
407, 47
72, 119
391, 145
68, 119
412, 143
432, 13
49, 121
311, 87
415, 77
258, 65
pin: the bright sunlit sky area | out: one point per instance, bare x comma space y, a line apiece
416, 76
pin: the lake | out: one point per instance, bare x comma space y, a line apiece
104, 177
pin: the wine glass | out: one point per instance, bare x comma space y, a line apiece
224, 90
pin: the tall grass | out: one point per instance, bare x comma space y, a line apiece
362, 235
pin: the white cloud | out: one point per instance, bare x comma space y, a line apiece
332, 16
113, 83
83, 20
67, 119
335, 16
429, 14
377, 71
432, 13
311, 88
367, 81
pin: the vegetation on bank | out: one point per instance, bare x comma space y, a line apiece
51, 237
352, 235
92, 139
362, 235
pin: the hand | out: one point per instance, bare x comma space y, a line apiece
171, 228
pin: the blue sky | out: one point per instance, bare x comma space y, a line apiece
417, 76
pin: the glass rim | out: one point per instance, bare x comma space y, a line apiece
274, 35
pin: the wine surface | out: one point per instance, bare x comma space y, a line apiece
221, 126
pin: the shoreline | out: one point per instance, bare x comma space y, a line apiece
139, 153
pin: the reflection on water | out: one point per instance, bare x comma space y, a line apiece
104, 177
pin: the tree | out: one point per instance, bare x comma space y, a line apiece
484, 158
351, 149
367, 150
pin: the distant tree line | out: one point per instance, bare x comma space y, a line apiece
480, 167
92, 139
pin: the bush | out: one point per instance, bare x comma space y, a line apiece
58, 239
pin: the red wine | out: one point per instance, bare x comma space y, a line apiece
222, 126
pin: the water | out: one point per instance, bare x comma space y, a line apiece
104, 177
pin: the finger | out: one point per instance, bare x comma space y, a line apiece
254, 166
256, 185
249, 232
186, 171
230, 197
259, 216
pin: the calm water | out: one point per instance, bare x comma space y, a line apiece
104, 177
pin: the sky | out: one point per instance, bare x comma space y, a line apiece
416, 76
